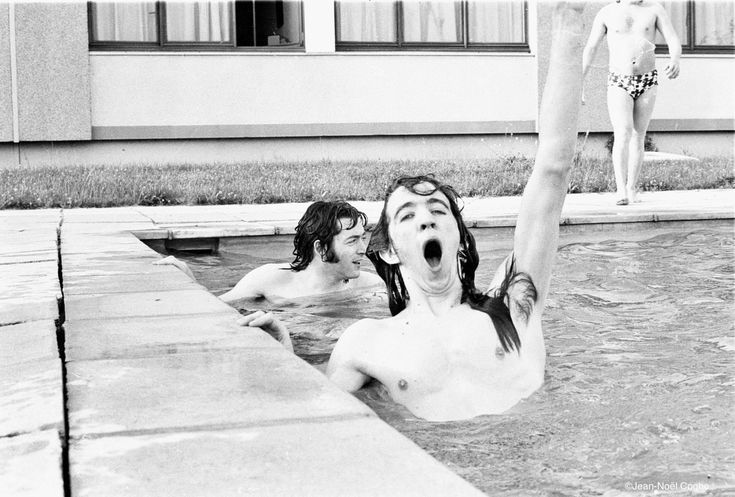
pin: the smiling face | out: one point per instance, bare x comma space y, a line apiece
424, 236
348, 247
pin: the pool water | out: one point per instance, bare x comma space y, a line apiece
639, 391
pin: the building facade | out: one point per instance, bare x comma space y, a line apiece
224, 81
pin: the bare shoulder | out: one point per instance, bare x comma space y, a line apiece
607, 11
356, 345
273, 271
656, 8
368, 279
259, 281
361, 332
268, 276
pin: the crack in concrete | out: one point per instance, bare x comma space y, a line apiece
61, 343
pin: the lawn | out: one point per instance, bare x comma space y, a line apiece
262, 183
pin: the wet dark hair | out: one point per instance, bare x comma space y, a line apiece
321, 221
494, 305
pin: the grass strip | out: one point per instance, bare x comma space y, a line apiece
264, 183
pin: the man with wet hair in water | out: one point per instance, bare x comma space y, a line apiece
451, 351
632, 83
329, 246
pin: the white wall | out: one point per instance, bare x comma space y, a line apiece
226, 89
705, 89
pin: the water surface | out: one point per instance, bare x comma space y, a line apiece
639, 394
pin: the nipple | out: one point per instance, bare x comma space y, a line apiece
499, 352
402, 384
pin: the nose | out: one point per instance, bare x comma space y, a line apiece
361, 247
426, 220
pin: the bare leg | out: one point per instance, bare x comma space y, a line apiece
642, 110
620, 108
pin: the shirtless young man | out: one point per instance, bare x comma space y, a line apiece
329, 246
450, 351
630, 26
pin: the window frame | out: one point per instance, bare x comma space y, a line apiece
691, 47
402, 46
163, 45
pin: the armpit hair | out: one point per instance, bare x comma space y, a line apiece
496, 304
517, 289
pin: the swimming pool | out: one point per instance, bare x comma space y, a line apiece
638, 396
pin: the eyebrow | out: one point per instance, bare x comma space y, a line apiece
406, 205
435, 200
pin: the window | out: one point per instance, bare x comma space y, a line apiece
431, 24
704, 26
203, 25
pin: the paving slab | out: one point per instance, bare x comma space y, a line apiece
30, 341
31, 397
355, 458
16, 217
220, 230
189, 214
30, 465
159, 303
27, 256
96, 228
174, 279
199, 390
29, 292
143, 255
145, 268
28, 240
159, 336
100, 242
103, 215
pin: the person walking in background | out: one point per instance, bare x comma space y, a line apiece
632, 84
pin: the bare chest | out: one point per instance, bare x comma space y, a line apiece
637, 23
453, 363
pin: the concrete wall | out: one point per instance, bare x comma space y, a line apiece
53, 71
216, 152
225, 95
6, 102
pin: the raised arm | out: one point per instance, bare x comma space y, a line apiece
664, 25
537, 228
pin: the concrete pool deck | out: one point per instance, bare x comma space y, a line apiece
121, 377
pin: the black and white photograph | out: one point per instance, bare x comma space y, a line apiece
367, 248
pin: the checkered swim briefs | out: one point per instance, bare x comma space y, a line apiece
636, 84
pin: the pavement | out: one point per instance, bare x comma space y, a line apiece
119, 377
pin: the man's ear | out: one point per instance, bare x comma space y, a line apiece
320, 249
389, 256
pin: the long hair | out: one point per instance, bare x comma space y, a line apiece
493, 305
321, 221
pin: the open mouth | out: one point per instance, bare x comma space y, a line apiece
433, 253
